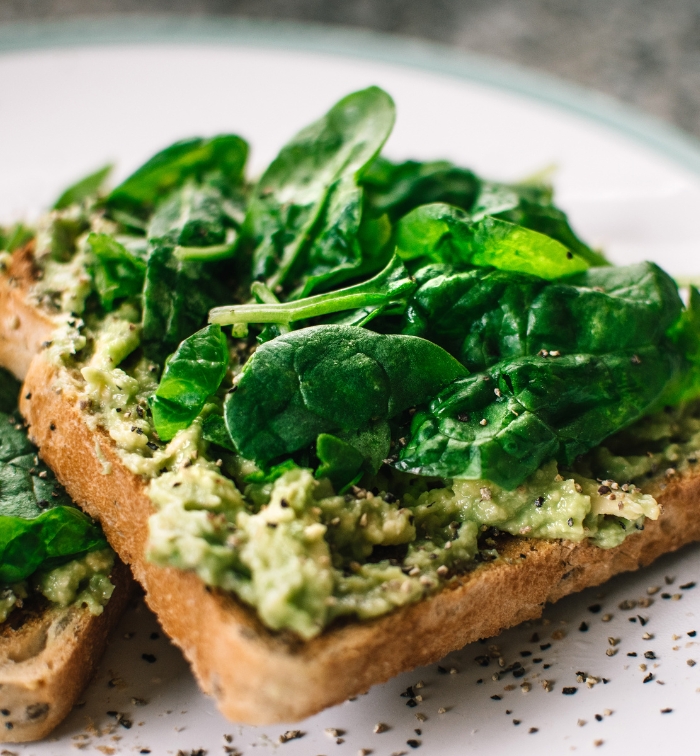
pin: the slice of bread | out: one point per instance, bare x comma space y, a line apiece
258, 676
47, 654
47, 657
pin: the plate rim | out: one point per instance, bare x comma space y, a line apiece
403, 51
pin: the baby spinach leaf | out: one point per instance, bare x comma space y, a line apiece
87, 187
214, 431
393, 284
271, 474
306, 208
341, 463
327, 379
446, 234
501, 425
192, 216
169, 169
9, 392
115, 271
177, 296
14, 237
59, 533
484, 315
396, 189
191, 375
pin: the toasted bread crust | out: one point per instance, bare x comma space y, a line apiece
23, 326
261, 677
47, 659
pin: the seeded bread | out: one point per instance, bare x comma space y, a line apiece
47, 657
258, 676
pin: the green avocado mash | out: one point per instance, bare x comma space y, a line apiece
422, 364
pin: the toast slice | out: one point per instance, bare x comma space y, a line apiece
47, 657
258, 676
47, 653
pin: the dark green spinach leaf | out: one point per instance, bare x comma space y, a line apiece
305, 213
190, 377
503, 424
483, 315
87, 187
116, 272
327, 379
221, 158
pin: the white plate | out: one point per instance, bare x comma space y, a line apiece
76, 96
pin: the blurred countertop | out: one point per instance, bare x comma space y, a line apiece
643, 52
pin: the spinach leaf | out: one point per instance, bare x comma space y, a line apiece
503, 424
15, 237
177, 296
305, 213
88, 186
58, 534
396, 189
482, 315
327, 379
38, 522
391, 285
341, 463
446, 234
222, 158
191, 375
115, 271
214, 431
191, 216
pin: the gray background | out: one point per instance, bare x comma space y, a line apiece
644, 52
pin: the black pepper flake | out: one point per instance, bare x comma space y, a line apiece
52, 426
43, 504
411, 703
152, 446
533, 730
546, 666
134, 429
569, 255
408, 693
518, 672
525, 653
8, 725
570, 522
537, 661
692, 633
149, 658
594, 608
539, 501
535, 638
482, 661
605, 680
145, 750
413, 743
442, 670
583, 627
113, 714
666, 711
642, 620
480, 681
569, 691
649, 655
127, 724
598, 717
28, 395
284, 503
516, 722
496, 697
545, 646
665, 595
648, 678
155, 636
5, 712
687, 586
418, 731
632, 653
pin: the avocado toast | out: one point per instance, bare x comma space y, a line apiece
437, 407
61, 587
